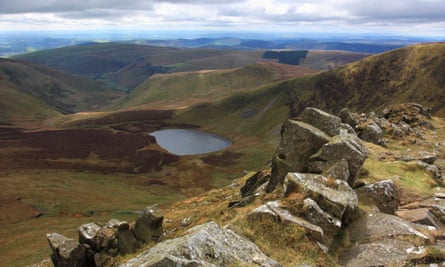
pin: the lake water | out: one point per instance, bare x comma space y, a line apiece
189, 142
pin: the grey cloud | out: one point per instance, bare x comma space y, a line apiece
401, 10
56, 6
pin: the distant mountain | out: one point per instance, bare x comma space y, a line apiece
30, 91
125, 66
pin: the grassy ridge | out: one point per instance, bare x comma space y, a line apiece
34, 92
411, 74
183, 88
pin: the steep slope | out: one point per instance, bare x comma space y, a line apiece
30, 91
411, 74
180, 90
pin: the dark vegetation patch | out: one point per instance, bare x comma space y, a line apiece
286, 57
82, 149
226, 158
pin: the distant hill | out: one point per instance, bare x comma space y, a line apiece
179, 90
411, 74
125, 66
32, 91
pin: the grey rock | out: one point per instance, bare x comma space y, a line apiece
148, 227
345, 146
253, 182
333, 196
372, 133
88, 234
348, 117
439, 212
344, 127
420, 216
65, 251
203, 245
382, 194
427, 157
315, 215
328, 123
298, 142
340, 170
377, 226
387, 252
127, 242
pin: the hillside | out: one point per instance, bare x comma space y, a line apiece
35, 92
124, 66
411, 74
106, 165
180, 90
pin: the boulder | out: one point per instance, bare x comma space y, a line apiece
328, 123
65, 251
383, 240
315, 215
388, 252
348, 117
371, 132
204, 245
88, 234
427, 157
126, 240
419, 216
340, 170
378, 226
382, 194
333, 196
345, 146
148, 227
298, 142
254, 182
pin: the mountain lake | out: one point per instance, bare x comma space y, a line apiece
190, 142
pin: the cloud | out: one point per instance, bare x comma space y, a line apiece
407, 10
229, 13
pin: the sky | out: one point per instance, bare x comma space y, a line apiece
396, 17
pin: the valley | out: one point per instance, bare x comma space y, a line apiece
75, 124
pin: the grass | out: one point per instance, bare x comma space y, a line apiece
295, 247
66, 199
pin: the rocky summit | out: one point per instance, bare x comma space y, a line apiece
337, 192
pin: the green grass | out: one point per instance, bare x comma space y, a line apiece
58, 192
412, 180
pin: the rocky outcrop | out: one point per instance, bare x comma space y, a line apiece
148, 227
383, 240
318, 158
326, 201
382, 194
316, 142
396, 121
204, 245
66, 252
99, 244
